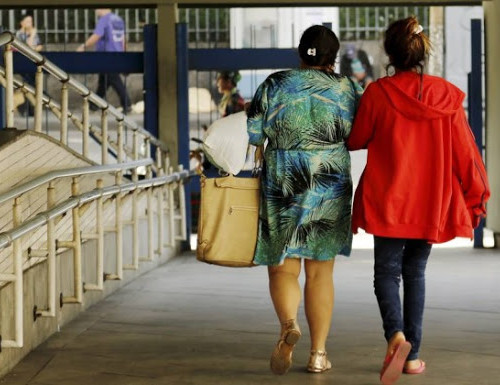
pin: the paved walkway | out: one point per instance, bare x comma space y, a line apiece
190, 323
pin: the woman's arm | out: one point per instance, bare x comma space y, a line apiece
362, 129
469, 167
256, 113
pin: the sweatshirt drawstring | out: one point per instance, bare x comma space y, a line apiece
421, 85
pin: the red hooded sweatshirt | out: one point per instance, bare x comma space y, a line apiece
424, 178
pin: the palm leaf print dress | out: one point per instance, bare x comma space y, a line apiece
305, 115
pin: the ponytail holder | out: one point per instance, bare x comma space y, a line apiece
311, 52
418, 30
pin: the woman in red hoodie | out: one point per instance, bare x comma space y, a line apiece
424, 183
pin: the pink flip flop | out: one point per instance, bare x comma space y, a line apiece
418, 370
393, 364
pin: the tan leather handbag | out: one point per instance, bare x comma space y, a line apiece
228, 222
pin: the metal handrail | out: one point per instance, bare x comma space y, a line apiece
160, 188
69, 172
6, 238
55, 107
10, 38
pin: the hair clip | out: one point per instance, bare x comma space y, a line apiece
418, 30
311, 51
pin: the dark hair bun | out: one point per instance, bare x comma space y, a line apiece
319, 46
406, 45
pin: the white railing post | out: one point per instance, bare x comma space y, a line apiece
38, 98
119, 140
18, 272
135, 230
51, 258
171, 211
166, 162
147, 143
64, 113
99, 237
51, 248
76, 245
159, 161
161, 222
135, 211
9, 86
149, 209
135, 226
104, 138
17, 279
182, 207
118, 230
135, 145
75, 191
85, 127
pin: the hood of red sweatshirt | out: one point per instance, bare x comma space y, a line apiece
439, 97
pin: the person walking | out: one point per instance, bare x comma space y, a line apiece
28, 34
305, 115
424, 183
109, 36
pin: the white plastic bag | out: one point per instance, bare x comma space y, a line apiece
226, 142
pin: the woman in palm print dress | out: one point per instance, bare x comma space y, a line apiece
305, 115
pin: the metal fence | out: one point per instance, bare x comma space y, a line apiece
367, 23
70, 26
208, 27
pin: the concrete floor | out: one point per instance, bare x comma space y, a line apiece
190, 323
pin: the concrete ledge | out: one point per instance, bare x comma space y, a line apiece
35, 292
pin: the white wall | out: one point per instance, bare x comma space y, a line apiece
458, 43
276, 27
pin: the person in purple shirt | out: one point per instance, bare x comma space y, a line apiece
109, 36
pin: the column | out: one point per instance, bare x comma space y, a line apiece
167, 79
492, 25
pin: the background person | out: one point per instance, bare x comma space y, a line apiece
109, 36
28, 34
424, 182
305, 213
231, 101
351, 54
359, 74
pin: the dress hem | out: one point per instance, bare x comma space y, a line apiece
265, 263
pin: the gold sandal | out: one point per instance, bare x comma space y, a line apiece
318, 362
281, 359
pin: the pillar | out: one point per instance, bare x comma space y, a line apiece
167, 79
492, 26
436, 34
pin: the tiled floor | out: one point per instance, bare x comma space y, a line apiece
190, 323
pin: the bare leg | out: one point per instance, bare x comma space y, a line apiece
285, 289
285, 293
319, 297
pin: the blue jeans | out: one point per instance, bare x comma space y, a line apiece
406, 258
